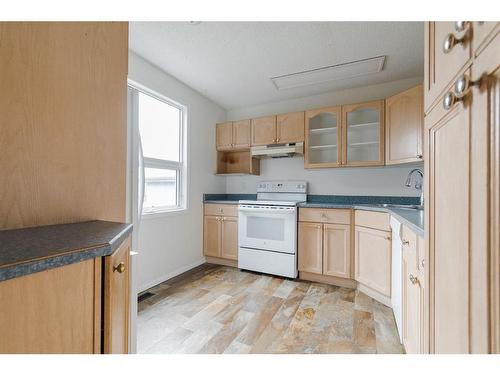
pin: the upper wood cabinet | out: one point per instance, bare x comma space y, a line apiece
404, 121
310, 249
116, 300
241, 134
263, 131
447, 50
323, 138
363, 134
290, 127
233, 135
224, 136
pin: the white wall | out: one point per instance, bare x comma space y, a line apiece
169, 245
340, 181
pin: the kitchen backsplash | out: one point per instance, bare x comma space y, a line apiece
378, 181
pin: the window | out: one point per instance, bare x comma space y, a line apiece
160, 124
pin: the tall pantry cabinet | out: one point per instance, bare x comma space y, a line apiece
462, 121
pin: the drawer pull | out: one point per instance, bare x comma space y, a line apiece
449, 100
406, 242
419, 156
414, 280
120, 268
463, 84
460, 91
388, 238
451, 41
461, 26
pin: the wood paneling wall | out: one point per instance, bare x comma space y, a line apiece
62, 122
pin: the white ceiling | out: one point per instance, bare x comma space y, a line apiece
232, 62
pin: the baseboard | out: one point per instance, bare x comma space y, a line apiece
325, 279
177, 272
383, 299
223, 262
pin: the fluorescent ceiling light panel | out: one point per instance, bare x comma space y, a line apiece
330, 73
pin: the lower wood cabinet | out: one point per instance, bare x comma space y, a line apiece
211, 236
337, 250
310, 249
116, 300
220, 232
67, 310
373, 259
54, 311
229, 238
325, 248
413, 293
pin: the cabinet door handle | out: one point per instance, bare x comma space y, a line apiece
406, 242
388, 238
420, 156
451, 40
120, 268
414, 280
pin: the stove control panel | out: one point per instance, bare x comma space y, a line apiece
282, 187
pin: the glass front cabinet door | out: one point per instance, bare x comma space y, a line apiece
363, 134
323, 138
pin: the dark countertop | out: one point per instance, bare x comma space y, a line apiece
29, 250
414, 219
220, 201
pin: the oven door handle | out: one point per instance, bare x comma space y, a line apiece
267, 210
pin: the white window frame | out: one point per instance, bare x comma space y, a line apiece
180, 167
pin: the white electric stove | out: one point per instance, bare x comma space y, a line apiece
267, 228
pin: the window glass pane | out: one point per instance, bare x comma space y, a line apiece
160, 188
159, 125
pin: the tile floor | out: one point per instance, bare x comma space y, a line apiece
217, 309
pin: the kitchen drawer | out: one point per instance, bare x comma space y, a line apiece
372, 219
221, 209
325, 215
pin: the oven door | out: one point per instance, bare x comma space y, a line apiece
272, 228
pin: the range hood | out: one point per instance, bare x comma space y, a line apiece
287, 150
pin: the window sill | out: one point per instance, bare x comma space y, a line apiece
165, 213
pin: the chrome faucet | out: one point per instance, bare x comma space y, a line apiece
418, 185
